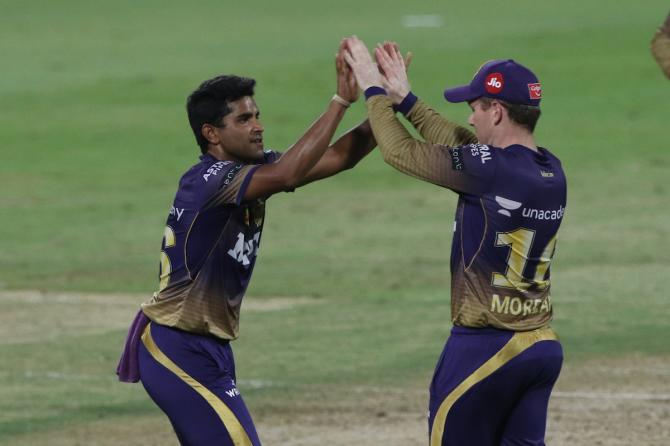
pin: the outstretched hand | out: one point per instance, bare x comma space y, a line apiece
347, 88
359, 60
394, 70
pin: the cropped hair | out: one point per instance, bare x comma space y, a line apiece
524, 115
208, 104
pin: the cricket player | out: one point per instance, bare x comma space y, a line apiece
660, 46
179, 344
492, 382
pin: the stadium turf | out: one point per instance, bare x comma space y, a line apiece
94, 137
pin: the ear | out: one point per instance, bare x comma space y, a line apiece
498, 113
210, 134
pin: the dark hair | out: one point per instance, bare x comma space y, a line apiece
524, 115
208, 104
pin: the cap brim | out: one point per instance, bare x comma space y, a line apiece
460, 94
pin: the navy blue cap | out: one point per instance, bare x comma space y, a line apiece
502, 79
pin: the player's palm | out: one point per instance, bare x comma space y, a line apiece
347, 88
394, 70
359, 60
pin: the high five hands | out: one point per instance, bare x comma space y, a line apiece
346, 82
390, 71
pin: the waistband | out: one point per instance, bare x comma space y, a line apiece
490, 331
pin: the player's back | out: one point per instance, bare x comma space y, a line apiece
505, 237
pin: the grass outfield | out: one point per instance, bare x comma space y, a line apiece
350, 290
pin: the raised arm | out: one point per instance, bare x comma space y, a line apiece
430, 162
292, 169
354, 145
431, 125
344, 154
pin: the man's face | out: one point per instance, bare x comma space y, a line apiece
483, 119
241, 132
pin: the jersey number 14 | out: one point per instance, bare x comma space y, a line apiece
520, 242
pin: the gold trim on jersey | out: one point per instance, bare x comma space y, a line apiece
230, 421
188, 270
517, 344
481, 243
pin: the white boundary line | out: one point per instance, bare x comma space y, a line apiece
259, 383
613, 396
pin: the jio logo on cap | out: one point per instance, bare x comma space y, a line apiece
494, 83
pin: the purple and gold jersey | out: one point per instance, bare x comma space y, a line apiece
511, 204
209, 249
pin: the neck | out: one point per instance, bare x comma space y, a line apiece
220, 154
514, 136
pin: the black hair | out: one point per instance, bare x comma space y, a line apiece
208, 104
524, 115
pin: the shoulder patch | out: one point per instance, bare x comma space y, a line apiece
456, 158
214, 169
231, 174
480, 150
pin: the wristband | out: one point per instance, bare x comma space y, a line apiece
407, 103
373, 91
343, 102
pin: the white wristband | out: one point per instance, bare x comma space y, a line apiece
343, 102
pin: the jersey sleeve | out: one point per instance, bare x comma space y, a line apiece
435, 129
466, 168
229, 184
230, 180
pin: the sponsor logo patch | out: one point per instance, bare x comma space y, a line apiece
214, 169
535, 91
544, 214
507, 205
233, 392
482, 151
494, 83
245, 250
456, 158
231, 174
176, 211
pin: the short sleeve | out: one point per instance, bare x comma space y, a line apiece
226, 182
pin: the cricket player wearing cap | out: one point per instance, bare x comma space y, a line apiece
179, 343
660, 46
492, 383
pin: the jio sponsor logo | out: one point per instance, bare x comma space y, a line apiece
494, 83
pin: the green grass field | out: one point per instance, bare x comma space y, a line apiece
94, 136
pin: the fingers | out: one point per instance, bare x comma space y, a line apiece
340, 62
358, 50
349, 58
390, 62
